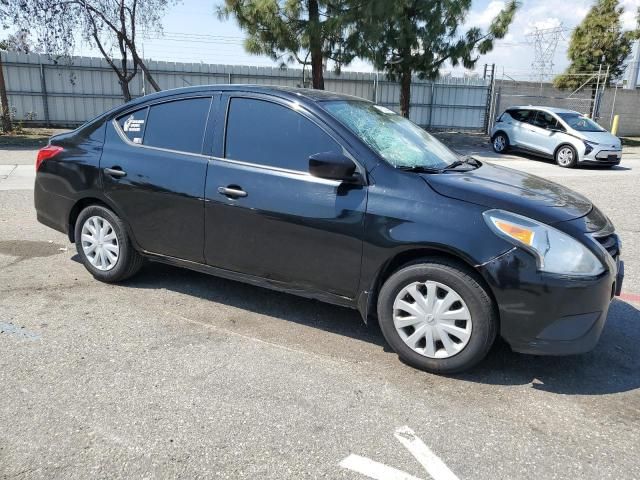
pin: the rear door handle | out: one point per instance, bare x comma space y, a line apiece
115, 172
233, 192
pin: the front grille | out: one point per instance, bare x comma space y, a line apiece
610, 244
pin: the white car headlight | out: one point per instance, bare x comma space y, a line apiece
556, 252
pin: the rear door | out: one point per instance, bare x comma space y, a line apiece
266, 215
153, 170
521, 126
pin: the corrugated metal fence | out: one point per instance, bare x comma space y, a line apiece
44, 92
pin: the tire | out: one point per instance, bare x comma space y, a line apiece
438, 275
566, 156
500, 142
115, 240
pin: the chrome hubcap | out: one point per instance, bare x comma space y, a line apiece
432, 319
565, 156
499, 143
100, 243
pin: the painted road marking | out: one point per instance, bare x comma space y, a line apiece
630, 297
19, 332
429, 460
435, 467
373, 469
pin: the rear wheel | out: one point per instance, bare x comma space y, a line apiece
500, 142
566, 156
104, 246
437, 316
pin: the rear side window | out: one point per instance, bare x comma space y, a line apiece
132, 124
268, 134
177, 125
522, 115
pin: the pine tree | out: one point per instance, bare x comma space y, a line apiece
403, 37
293, 31
598, 40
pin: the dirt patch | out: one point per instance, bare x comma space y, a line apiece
28, 137
464, 142
26, 249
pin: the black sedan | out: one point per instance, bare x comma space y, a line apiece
335, 198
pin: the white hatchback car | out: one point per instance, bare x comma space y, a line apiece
564, 135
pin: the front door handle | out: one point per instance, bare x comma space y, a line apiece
116, 172
233, 192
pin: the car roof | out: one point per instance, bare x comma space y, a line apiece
543, 108
291, 93
283, 91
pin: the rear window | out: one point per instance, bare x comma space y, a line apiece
177, 125
132, 124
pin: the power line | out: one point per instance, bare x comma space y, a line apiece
545, 41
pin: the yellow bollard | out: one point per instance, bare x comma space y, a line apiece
614, 127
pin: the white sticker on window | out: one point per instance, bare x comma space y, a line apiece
132, 125
384, 109
137, 140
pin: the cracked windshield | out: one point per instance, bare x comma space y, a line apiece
398, 140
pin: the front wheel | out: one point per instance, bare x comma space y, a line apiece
566, 156
500, 143
104, 246
437, 316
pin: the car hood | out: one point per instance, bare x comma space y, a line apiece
500, 187
605, 139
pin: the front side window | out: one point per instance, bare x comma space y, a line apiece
269, 134
399, 141
525, 116
546, 120
580, 123
177, 125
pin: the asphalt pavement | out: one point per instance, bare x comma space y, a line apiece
176, 374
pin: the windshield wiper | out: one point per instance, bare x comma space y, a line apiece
418, 168
465, 161
452, 166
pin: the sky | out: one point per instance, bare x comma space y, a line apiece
193, 33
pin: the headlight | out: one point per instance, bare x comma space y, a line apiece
588, 146
556, 252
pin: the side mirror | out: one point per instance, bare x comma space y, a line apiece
332, 166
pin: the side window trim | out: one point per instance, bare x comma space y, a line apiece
116, 124
226, 104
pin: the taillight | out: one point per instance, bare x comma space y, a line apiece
46, 153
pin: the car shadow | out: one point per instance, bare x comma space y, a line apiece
612, 367
550, 161
263, 301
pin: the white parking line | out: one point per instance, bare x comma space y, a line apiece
429, 460
373, 469
435, 467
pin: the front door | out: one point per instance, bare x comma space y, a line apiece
154, 172
266, 216
544, 133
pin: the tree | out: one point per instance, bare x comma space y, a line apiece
293, 30
403, 37
598, 40
5, 118
110, 25
19, 42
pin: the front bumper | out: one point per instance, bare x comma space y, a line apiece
546, 314
602, 157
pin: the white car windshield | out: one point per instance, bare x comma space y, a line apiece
399, 141
580, 123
